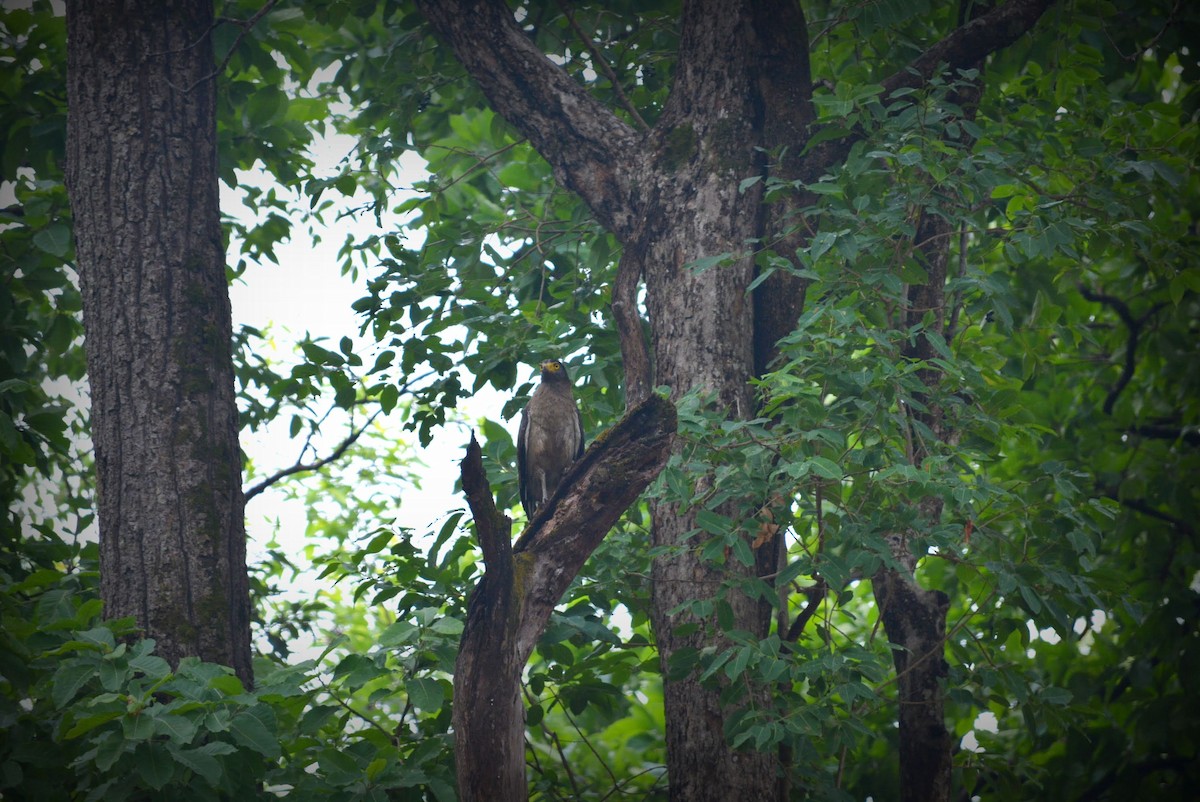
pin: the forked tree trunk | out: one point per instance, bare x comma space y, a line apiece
142, 176
524, 581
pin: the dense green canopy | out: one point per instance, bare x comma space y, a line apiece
1067, 541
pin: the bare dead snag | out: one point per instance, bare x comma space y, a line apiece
523, 582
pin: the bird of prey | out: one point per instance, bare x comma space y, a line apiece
550, 438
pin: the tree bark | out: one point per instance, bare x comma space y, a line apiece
914, 618
523, 582
703, 336
142, 176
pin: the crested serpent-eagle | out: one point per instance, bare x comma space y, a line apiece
550, 438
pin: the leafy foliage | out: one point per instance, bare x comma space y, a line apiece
1065, 539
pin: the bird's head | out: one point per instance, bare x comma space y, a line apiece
554, 371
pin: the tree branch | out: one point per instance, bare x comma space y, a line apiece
1147, 509
966, 46
593, 152
603, 66
970, 43
492, 527
245, 25
815, 595
1135, 328
301, 467
1163, 431
523, 582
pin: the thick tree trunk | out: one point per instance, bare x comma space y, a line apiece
142, 175
724, 112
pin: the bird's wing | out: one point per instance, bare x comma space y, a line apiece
578, 431
523, 484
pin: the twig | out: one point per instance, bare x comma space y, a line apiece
1134, 326
1137, 53
583, 737
245, 25
841, 768
616, 789
956, 307
313, 466
562, 756
480, 161
1145, 508
1162, 431
815, 594
536, 764
372, 722
603, 65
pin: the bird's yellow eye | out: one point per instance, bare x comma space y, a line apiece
553, 365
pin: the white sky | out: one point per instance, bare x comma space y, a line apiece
306, 293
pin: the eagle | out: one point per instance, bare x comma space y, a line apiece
550, 438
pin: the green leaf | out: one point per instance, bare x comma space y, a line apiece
356, 670
69, 678
742, 551
426, 693
746, 183
179, 729
375, 767
713, 522
217, 748
315, 718
137, 726
227, 684
318, 355
113, 674
1056, 696
200, 762
250, 730
101, 636
825, 468
518, 176
708, 262
1033, 602
825, 188
1182, 283
54, 239
266, 105
154, 765
151, 665
821, 243
339, 767
398, 633
108, 750
89, 723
